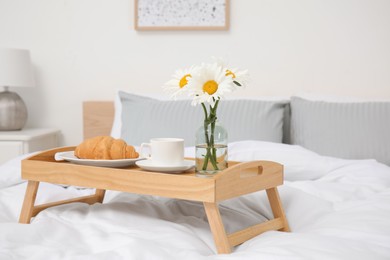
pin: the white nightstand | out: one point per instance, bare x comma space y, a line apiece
15, 143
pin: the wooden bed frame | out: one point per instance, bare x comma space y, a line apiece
98, 117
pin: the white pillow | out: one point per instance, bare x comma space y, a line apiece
349, 130
117, 124
245, 119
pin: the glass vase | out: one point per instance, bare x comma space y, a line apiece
211, 151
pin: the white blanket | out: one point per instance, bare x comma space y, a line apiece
337, 209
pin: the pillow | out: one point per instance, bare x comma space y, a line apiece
117, 123
349, 130
144, 118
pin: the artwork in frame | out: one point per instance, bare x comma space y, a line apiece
181, 14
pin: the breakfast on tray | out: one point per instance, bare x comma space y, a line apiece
105, 148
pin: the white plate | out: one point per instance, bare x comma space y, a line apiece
69, 156
150, 166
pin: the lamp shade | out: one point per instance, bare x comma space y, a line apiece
15, 68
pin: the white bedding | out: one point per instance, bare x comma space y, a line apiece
337, 209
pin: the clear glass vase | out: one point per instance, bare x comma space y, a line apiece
211, 151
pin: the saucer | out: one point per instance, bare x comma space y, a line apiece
150, 166
70, 157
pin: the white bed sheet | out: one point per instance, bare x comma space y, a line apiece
337, 209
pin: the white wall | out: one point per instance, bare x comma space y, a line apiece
88, 49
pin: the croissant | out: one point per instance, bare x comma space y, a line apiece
105, 148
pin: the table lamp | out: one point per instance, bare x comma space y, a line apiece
15, 71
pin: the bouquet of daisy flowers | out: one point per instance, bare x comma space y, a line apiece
207, 84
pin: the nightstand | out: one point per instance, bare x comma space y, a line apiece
15, 143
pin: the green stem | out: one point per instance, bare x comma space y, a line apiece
205, 126
213, 155
210, 149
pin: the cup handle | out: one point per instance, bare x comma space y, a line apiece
143, 145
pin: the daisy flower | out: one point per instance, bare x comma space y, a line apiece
178, 85
240, 77
209, 83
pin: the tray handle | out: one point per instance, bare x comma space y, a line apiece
49, 155
251, 169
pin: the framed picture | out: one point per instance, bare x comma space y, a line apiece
181, 14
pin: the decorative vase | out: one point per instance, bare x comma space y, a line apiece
211, 151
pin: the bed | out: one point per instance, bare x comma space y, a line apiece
336, 194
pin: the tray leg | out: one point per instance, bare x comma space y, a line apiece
100, 195
29, 210
28, 203
217, 228
277, 208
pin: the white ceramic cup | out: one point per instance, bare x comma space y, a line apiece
165, 151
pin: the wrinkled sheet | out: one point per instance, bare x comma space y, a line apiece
337, 209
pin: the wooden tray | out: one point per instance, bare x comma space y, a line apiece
238, 179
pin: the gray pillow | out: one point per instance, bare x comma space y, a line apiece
350, 130
144, 118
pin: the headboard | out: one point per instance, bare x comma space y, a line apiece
98, 117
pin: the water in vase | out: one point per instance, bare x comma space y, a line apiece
205, 167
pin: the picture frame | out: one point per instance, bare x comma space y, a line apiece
181, 15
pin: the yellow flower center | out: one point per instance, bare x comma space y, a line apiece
210, 87
184, 81
229, 72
